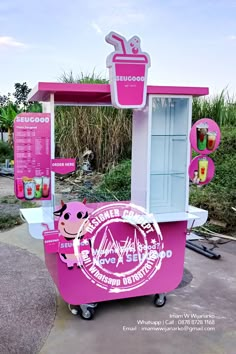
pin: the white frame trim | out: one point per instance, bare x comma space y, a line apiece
150, 97
48, 107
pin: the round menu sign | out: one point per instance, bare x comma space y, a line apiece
205, 136
201, 170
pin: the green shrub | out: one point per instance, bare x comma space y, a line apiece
6, 152
219, 196
117, 181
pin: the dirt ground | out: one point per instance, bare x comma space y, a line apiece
6, 186
8, 203
71, 188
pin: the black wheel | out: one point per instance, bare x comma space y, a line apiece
87, 314
159, 300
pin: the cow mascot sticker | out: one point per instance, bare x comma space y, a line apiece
71, 217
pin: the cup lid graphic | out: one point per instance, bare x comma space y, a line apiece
202, 125
129, 49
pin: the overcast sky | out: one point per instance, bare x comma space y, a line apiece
190, 42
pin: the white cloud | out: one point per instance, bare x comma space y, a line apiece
112, 14
232, 38
96, 27
6, 41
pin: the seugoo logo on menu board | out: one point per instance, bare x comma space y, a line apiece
128, 68
32, 155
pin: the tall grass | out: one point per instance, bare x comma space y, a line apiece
107, 131
82, 78
104, 130
221, 108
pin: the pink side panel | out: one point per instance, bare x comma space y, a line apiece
75, 288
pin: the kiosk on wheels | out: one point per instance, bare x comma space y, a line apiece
131, 248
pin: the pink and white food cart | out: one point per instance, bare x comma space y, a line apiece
126, 256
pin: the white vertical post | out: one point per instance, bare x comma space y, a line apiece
189, 151
52, 111
48, 107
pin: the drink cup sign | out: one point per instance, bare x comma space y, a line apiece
128, 67
202, 130
201, 170
204, 138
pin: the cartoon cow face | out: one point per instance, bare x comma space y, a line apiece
71, 216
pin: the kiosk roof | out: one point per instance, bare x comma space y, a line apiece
98, 94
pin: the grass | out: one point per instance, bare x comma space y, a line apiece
104, 130
219, 196
10, 219
22, 203
221, 108
117, 182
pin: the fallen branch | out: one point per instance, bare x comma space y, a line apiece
212, 233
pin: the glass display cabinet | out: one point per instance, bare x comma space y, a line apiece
161, 156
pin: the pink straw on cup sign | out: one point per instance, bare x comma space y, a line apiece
119, 39
115, 39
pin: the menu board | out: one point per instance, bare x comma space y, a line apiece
32, 156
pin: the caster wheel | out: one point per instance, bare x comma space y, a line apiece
87, 314
73, 309
159, 300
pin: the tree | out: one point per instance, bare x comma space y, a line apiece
34, 107
21, 94
4, 100
7, 116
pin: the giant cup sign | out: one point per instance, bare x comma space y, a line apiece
128, 67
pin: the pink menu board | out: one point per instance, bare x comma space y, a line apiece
32, 156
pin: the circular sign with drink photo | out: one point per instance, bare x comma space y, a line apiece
205, 136
201, 170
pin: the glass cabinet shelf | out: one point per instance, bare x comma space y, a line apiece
166, 135
160, 173
168, 154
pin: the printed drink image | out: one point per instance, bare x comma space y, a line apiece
202, 136
38, 187
211, 140
19, 188
46, 184
202, 169
29, 189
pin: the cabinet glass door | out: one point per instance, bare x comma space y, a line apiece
169, 144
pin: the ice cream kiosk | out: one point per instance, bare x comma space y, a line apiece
105, 251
